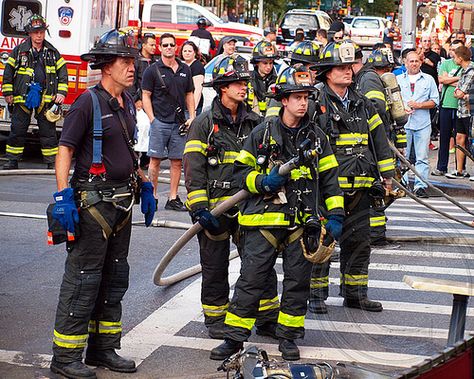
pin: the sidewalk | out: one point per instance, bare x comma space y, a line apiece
453, 187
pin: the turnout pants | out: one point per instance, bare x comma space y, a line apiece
378, 225
94, 282
355, 253
214, 253
258, 260
21, 118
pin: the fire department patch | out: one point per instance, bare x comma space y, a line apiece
65, 15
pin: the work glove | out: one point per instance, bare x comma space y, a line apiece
148, 202
334, 226
206, 219
65, 210
272, 182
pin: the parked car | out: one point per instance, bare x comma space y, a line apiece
307, 19
366, 31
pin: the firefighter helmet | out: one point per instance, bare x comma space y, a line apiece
201, 22
264, 50
228, 69
381, 58
335, 54
305, 52
296, 78
110, 45
35, 23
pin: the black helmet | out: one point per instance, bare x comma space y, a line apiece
335, 54
381, 58
305, 52
264, 50
201, 22
35, 23
296, 78
111, 45
233, 68
358, 51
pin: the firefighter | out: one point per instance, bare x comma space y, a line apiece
35, 76
306, 53
98, 130
368, 83
214, 141
264, 74
282, 214
357, 136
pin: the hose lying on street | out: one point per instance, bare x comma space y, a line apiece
436, 190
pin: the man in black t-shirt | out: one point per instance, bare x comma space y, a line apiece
167, 91
430, 59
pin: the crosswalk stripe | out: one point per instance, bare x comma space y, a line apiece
310, 352
442, 232
20, 358
424, 254
434, 201
429, 218
425, 211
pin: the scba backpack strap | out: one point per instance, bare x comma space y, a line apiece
97, 167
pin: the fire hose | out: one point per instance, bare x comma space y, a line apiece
196, 228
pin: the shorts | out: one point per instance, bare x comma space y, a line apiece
462, 125
165, 141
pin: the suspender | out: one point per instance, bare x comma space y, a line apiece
97, 168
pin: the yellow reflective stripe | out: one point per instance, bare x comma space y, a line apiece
47, 98
359, 182
401, 138
320, 282
250, 181
7, 87
62, 87
105, 327
352, 139
60, 63
25, 71
375, 95
70, 341
50, 69
216, 201
239, 322
386, 165
377, 221
334, 202
262, 105
374, 121
215, 310
195, 146
14, 149
230, 157
49, 152
247, 158
18, 99
273, 111
197, 196
356, 280
11, 61
291, 321
266, 304
301, 172
327, 163
269, 218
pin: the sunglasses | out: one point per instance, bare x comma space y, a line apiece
168, 45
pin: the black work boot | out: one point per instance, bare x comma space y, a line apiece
216, 331
317, 306
267, 329
11, 165
226, 349
364, 304
72, 370
110, 359
289, 350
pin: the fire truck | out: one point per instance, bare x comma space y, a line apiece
74, 26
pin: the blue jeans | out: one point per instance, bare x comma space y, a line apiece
419, 140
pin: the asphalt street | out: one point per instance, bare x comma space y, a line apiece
163, 326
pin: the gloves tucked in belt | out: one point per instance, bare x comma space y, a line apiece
65, 209
273, 181
206, 219
334, 226
148, 202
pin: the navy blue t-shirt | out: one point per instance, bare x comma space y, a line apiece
179, 83
77, 133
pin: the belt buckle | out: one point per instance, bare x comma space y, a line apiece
226, 185
349, 150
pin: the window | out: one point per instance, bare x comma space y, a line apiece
324, 22
15, 16
160, 13
187, 15
365, 23
304, 21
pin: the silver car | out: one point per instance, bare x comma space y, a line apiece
366, 31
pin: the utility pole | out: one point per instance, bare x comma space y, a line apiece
260, 14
